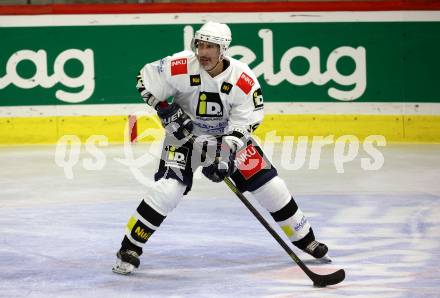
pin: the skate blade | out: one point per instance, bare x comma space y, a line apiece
123, 268
122, 271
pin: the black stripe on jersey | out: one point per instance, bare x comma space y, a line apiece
286, 212
194, 80
141, 232
149, 214
226, 88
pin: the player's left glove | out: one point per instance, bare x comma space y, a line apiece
224, 163
175, 120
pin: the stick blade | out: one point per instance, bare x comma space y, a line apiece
334, 278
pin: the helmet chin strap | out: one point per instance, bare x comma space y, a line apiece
220, 59
214, 66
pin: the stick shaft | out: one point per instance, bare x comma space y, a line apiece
265, 224
313, 276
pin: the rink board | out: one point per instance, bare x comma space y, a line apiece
382, 81
395, 128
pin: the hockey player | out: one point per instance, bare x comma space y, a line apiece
213, 95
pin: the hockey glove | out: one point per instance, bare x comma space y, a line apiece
175, 121
224, 164
220, 168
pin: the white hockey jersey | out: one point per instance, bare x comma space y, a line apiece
231, 100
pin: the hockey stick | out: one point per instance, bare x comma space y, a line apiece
318, 279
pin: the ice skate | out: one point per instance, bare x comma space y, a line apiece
127, 262
318, 250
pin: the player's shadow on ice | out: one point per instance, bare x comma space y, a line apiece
322, 261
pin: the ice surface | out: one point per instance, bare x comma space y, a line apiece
59, 236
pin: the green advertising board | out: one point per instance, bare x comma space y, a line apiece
294, 62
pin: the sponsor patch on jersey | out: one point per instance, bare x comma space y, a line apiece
176, 157
194, 80
249, 162
179, 66
215, 128
258, 99
226, 88
209, 105
245, 83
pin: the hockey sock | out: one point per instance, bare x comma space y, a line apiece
306, 240
292, 221
141, 226
276, 198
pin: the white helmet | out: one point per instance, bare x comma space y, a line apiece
215, 33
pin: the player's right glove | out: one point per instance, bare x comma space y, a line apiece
224, 163
175, 120
223, 166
